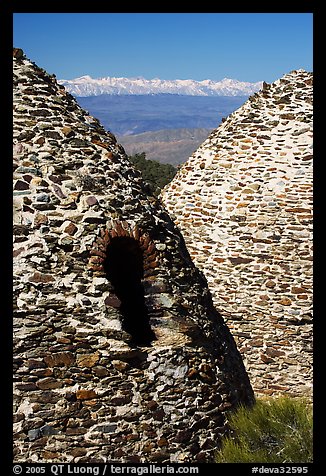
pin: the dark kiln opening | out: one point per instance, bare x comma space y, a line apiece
124, 268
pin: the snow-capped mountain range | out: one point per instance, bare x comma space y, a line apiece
88, 86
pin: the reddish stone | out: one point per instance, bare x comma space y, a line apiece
136, 233
43, 372
298, 290
27, 178
40, 141
87, 360
307, 157
120, 230
18, 53
183, 436
151, 264
50, 455
145, 240
71, 229
112, 301
266, 359
298, 210
59, 359
150, 249
40, 219
55, 179
26, 386
274, 352
240, 260
266, 391
40, 278
192, 373
48, 382
85, 394
150, 258
101, 144
279, 387
95, 259
95, 267
21, 185
285, 301
91, 200
120, 365
17, 252
78, 452
67, 131
264, 297
270, 284
152, 405
57, 190
95, 252
162, 441
113, 234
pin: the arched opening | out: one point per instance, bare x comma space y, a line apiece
124, 268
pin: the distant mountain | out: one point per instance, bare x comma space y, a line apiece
169, 146
88, 86
134, 114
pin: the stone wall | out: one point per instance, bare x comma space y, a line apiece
243, 202
99, 376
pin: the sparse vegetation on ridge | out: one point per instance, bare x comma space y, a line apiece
277, 430
156, 174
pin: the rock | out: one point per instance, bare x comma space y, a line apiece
112, 301
44, 430
71, 229
109, 428
18, 53
48, 382
85, 394
285, 301
40, 278
87, 360
240, 260
100, 371
270, 284
59, 359
68, 132
21, 185
266, 359
91, 200
26, 386
274, 352
40, 219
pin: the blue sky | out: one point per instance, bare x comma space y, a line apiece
244, 46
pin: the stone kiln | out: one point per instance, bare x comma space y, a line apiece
243, 202
119, 354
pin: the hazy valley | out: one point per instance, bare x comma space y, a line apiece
172, 146
168, 127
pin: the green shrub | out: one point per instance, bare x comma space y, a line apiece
276, 430
155, 174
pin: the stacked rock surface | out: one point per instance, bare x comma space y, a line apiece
243, 202
119, 354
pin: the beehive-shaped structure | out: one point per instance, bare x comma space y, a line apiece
243, 202
119, 354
